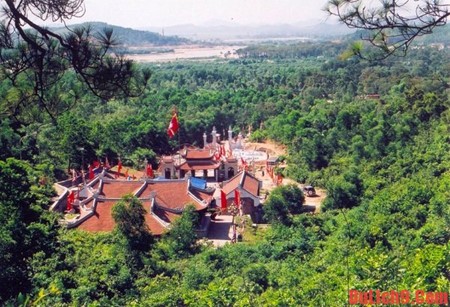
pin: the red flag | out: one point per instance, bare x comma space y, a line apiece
237, 198
70, 200
279, 179
119, 168
223, 201
173, 126
96, 164
149, 170
91, 172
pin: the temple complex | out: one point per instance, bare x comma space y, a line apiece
193, 176
212, 162
164, 201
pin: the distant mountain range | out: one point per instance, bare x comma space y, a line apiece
221, 30
215, 31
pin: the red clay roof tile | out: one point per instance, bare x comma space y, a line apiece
249, 183
119, 188
172, 194
102, 220
165, 215
197, 154
199, 165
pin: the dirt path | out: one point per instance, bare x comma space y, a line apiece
271, 148
276, 150
220, 231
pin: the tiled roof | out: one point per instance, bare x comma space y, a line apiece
207, 197
171, 194
199, 165
197, 154
232, 184
249, 183
164, 215
155, 227
153, 224
119, 188
102, 220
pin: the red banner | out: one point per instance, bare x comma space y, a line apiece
223, 201
173, 126
149, 170
237, 198
70, 200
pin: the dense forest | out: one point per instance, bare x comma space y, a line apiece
375, 135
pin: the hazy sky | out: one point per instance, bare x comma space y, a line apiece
146, 13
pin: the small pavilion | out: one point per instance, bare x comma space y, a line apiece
249, 188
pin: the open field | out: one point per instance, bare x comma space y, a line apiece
192, 52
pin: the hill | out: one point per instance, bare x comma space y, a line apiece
230, 30
131, 37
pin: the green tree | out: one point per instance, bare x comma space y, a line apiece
292, 196
74, 141
343, 191
181, 238
25, 226
276, 210
129, 215
256, 276
284, 201
38, 56
390, 26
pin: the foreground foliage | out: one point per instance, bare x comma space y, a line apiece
384, 162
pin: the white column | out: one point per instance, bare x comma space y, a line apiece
214, 137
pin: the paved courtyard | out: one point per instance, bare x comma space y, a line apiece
220, 230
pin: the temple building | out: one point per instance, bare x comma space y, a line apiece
182, 181
249, 189
210, 162
164, 201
